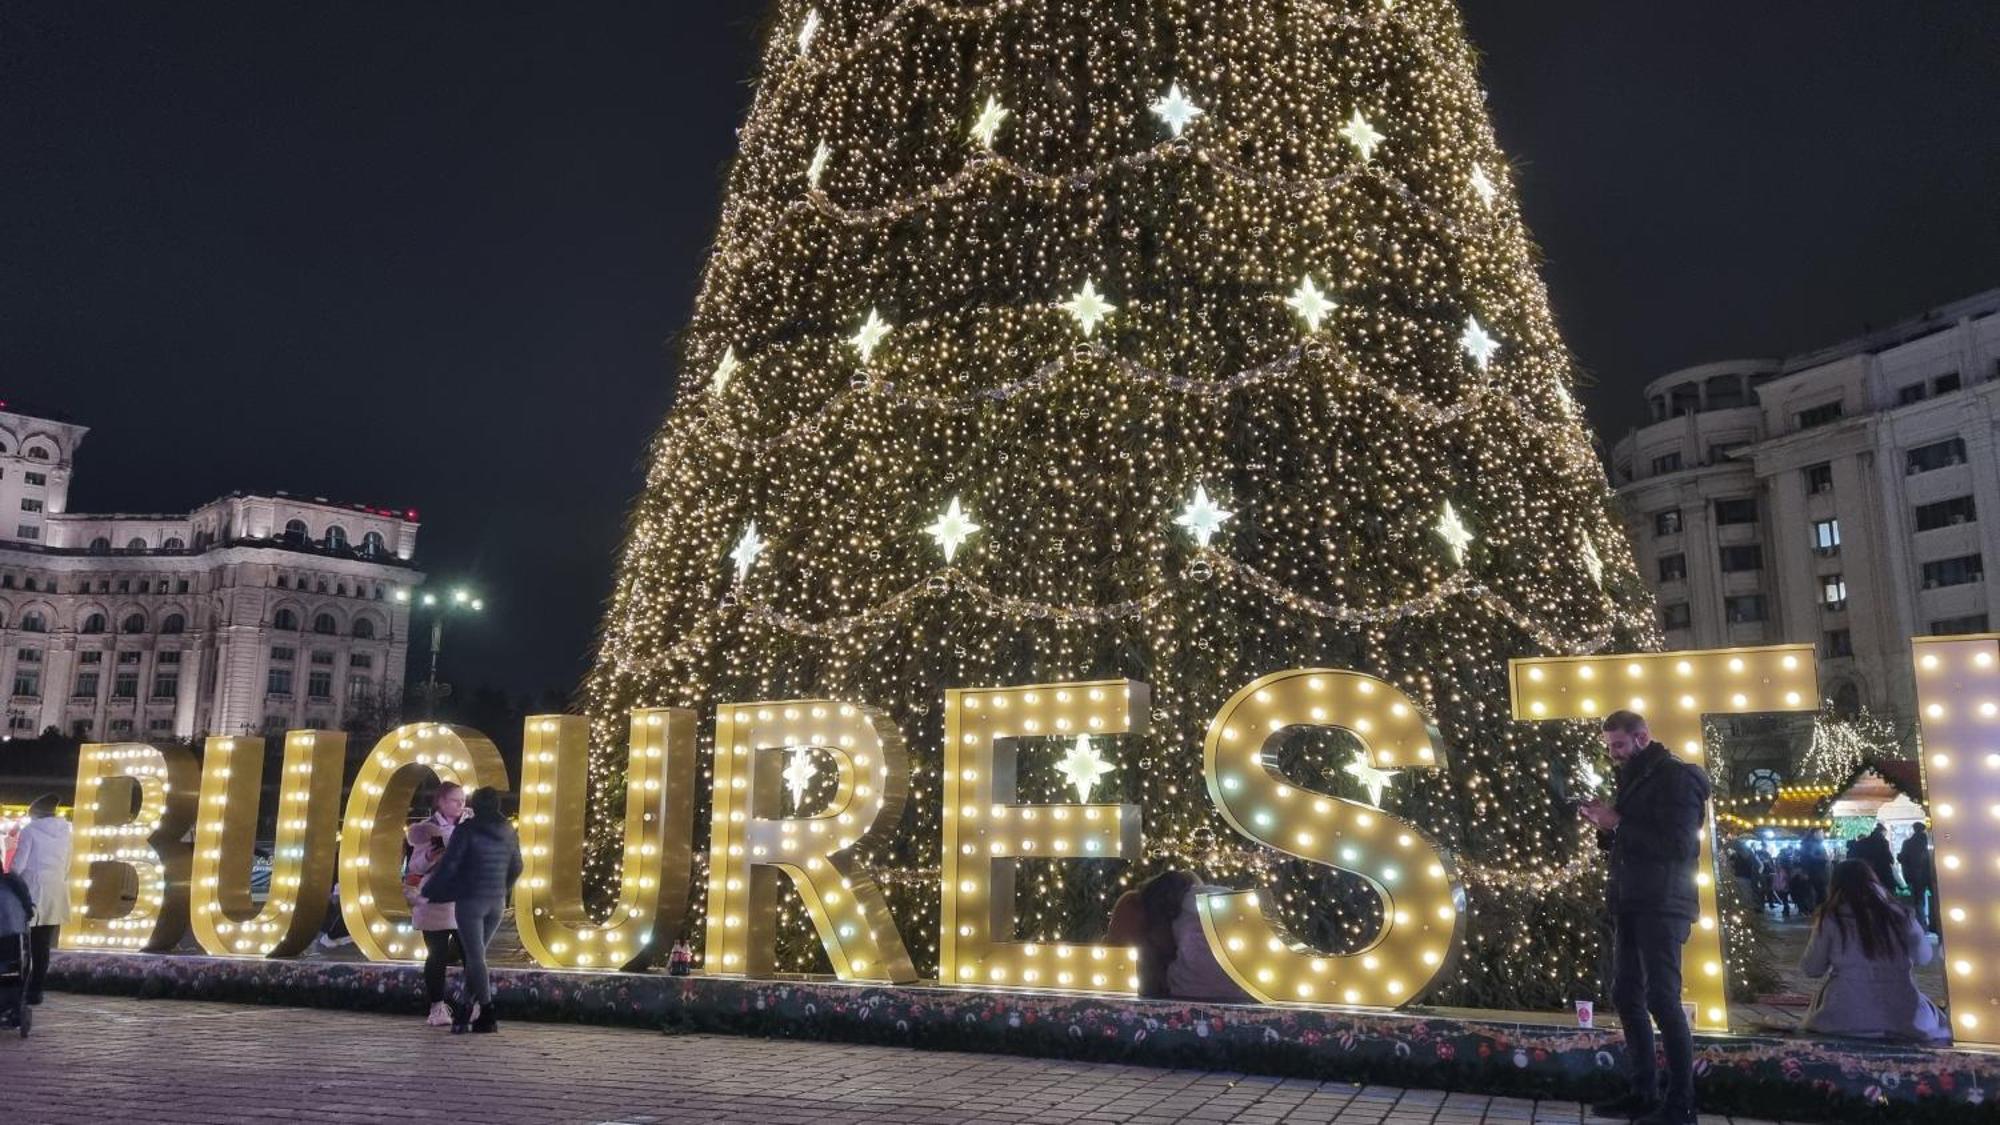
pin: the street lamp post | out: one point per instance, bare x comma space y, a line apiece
460, 601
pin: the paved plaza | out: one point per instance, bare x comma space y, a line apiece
102, 1059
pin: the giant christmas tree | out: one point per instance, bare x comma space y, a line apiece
1178, 340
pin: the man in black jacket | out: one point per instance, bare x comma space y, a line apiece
1915, 857
1652, 828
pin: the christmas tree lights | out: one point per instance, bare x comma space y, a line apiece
998, 288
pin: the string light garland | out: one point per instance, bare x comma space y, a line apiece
1290, 334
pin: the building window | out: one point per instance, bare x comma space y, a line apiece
166, 684
1960, 571
1667, 463
181, 586
125, 685
33, 622
1676, 615
1667, 522
1947, 383
1945, 513
295, 531
364, 629
90, 658
159, 726
278, 681
1819, 478
28, 683
22, 721
319, 685
93, 624
168, 657
361, 660
129, 657
1826, 536
1837, 643
325, 625
1955, 626
31, 504
371, 544
1747, 556
36, 480
336, 538
284, 653
322, 658
286, 620
1833, 592
133, 623
358, 688
1914, 392
124, 585
86, 686
1673, 568
173, 623
30, 656
1743, 510
1743, 609
27, 531
121, 726
1936, 455
1819, 415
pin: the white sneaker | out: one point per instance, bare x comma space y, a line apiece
440, 1015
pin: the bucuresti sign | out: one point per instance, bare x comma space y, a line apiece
142, 881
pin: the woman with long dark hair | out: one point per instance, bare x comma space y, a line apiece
1160, 919
1867, 947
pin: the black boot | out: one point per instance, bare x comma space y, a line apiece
484, 1023
462, 1014
1628, 1108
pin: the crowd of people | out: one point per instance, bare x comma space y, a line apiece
1797, 877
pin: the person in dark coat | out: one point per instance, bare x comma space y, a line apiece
1873, 850
476, 874
1652, 828
1918, 872
1814, 864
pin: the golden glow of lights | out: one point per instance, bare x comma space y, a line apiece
1720, 682
982, 762
372, 829
129, 869
1423, 915
226, 921
656, 861
1962, 670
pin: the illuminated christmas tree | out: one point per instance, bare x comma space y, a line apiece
1178, 340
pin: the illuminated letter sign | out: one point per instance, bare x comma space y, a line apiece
121, 854
1423, 916
659, 813
985, 832
749, 844
371, 836
1958, 694
1673, 690
226, 922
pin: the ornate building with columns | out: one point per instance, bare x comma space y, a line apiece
253, 612
1848, 497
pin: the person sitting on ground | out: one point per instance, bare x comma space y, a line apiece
1160, 919
1867, 946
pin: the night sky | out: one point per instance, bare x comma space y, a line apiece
435, 255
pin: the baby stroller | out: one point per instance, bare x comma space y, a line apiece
17, 910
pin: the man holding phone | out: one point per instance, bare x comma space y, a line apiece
1652, 829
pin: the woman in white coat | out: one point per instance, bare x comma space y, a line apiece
41, 859
1867, 947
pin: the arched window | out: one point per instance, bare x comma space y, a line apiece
100, 546
285, 619
173, 543
1846, 698
135, 544
95, 623
371, 544
325, 625
295, 530
173, 623
336, 538
133, 623
38, 453
33, 622
364, 628
1764, 783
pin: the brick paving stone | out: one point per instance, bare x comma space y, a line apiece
95, 1059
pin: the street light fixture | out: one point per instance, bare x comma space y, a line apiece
462, 601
